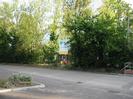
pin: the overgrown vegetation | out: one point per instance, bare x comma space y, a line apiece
98, 39
22, 29
16, 80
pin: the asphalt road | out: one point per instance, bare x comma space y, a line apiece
69, 84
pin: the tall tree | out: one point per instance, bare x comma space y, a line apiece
99, 39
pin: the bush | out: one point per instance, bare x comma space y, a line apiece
4, 84
19, 78
16, 80
98, 40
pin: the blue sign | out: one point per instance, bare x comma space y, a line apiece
63, 45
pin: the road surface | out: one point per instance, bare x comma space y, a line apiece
69, 84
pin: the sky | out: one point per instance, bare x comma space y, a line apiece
130, 2
97, 3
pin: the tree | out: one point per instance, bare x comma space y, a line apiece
99, 39
8, 39
21, 31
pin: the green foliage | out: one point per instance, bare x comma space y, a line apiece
99, 40
19, 79
4, 84
8, 43
22, 29
50, 52
16, 80
20, 33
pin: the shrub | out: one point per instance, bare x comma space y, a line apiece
19, 79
